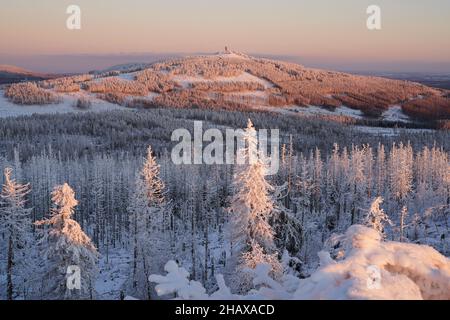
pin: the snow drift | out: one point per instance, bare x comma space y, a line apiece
373, 269
365, 267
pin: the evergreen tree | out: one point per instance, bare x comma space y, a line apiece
251, 207
65, 245
401, 175
15, 224
376, 218
148, 226
403, 225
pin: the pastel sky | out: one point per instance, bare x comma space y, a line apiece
331, 30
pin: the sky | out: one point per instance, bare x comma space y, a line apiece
415, 34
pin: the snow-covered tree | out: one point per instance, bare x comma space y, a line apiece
97, 195
317, 179
153, 185
403, 225
358, 182
15, 228
376, 218
289, 226
139, 212
148, 225
408, 271
66, 245
257, 255
380, 173
401, 174
304, 186
251, 207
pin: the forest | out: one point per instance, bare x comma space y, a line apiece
91, 187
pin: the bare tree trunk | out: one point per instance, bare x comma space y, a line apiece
194, 275
9, 285
146, 273
135, 254
205, 274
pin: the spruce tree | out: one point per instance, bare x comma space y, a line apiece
251, 208
65, 245
15, 224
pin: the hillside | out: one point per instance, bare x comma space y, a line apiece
239, 82
13, 74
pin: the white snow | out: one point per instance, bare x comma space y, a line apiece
368, 268
128, 76
127, 67
9, 109
395, 113
227, 55
314, 110
152, 95
250, 94
186, 81
113, 274
249, 97
372, 269
389, 132
177, 281
232, 55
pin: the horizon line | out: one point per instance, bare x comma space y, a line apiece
344, 64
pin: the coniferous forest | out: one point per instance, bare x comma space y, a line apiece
99, 191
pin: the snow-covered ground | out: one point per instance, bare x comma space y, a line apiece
152, 95
366, 268
9, 109
128, 76
395, 114
127, 67
314, 110
389, 132
250, 94
186, 81
113, 274
228, 55
232, 55
252, 97
374, 269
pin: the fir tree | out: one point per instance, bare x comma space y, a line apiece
376, 218
15, 224
65, 245
148, 225
251, 207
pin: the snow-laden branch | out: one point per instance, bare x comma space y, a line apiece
369, 269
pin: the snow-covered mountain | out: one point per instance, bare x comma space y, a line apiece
230, 80
354, 212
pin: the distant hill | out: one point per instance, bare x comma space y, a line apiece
435, 80
125, 67
236, 81
13, 74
